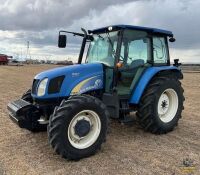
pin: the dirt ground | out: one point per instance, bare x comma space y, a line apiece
128, 149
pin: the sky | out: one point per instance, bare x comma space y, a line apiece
39, 21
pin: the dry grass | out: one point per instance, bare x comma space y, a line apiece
128, 150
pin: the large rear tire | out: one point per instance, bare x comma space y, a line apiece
161, 105
78, 127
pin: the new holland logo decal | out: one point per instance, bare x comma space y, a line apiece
88, 85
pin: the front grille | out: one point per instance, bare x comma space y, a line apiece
34, 87
55, 84
21, 103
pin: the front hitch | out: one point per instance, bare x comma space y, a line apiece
25, 114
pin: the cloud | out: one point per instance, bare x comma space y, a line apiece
181, 17
46, 14
39, 22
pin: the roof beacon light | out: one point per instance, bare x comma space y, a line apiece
110, 28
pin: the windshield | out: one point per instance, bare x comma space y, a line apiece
103, 48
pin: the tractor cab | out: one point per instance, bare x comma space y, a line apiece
126, 52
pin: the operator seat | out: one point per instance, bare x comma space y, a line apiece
129, 75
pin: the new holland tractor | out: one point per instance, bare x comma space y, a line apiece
127, 69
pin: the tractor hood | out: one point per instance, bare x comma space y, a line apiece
76, 79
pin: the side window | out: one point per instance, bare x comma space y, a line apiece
160, 50
137, 50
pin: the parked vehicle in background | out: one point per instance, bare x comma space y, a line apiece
3, 59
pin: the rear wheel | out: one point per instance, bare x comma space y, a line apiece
78, 127
161, 105
167, 105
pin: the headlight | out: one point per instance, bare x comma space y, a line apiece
42, 87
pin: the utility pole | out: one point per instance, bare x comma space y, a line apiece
28, 54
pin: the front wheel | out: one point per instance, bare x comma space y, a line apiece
78, 127
161, 105
27, 96
35, 125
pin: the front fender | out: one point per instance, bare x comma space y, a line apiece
146, 78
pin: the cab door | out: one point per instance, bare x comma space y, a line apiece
135, 53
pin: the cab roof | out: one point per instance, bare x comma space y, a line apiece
147, 29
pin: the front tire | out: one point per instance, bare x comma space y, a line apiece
78, 127
36, 126
27, 96
161, 105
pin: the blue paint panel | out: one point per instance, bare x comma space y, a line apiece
148, 29
73, 75
145, 79
93, 84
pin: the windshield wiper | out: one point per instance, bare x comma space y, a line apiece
111, 43
100, 36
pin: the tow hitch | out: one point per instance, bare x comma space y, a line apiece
23, 113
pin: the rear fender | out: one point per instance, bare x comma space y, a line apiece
147, 77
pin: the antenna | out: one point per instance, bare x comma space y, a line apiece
28, 54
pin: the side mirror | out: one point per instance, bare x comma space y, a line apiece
176, 63
62, 40
172, 39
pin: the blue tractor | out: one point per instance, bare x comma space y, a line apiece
127, 69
